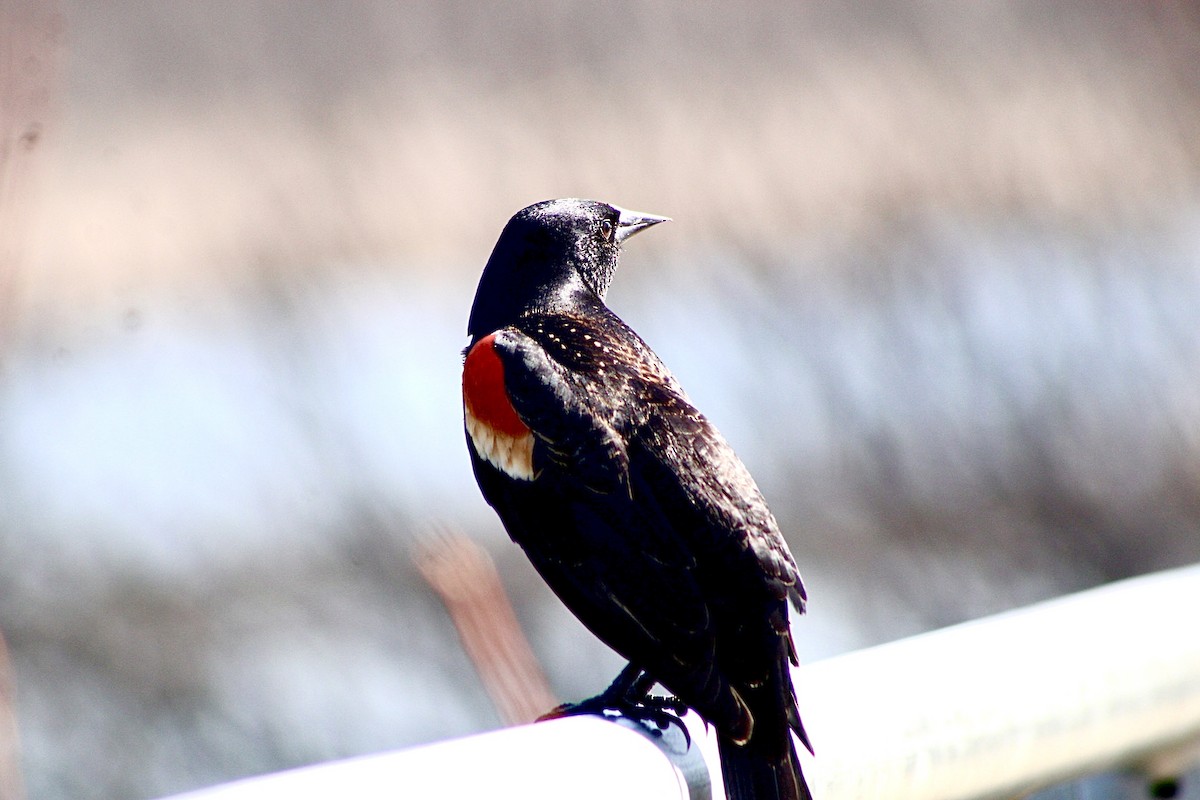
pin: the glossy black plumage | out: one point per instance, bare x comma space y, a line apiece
634, 509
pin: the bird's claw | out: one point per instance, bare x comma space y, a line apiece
662, 712
593, 705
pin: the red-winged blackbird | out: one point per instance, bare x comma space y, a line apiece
627, 500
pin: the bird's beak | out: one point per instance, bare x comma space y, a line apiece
631, 222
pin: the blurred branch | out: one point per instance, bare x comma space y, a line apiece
11, 787
461, 572
28, 76
29, 55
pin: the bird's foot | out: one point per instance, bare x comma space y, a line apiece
662, 712
618, 697
630, 687
629, 696
593, 705
649, 710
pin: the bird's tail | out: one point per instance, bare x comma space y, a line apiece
766, 767
751, 774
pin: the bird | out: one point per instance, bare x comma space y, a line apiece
627, 500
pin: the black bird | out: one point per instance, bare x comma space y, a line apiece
627, 500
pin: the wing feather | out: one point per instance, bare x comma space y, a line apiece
602, 549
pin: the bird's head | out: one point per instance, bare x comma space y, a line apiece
547, 253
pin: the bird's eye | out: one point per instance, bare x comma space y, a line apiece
606, 229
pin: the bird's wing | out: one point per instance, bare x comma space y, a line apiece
559, 411
622, 568
695, 473
687, 476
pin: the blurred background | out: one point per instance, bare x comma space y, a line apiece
934, 271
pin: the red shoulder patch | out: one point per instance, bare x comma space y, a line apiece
484, 395
497, 433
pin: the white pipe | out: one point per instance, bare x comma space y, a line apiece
989, 709
578, 757
1002, 705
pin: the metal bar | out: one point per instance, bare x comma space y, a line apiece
989, 709
1006, 704
584, 758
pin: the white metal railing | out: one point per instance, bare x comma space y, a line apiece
995, 707
581, 758
988, 709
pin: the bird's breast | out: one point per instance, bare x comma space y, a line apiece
496, 431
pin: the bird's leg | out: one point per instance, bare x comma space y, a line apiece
629, 695
637, 702
629, 687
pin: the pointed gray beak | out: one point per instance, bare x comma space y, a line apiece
631, 222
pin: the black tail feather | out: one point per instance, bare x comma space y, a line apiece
766, 766
754, 773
